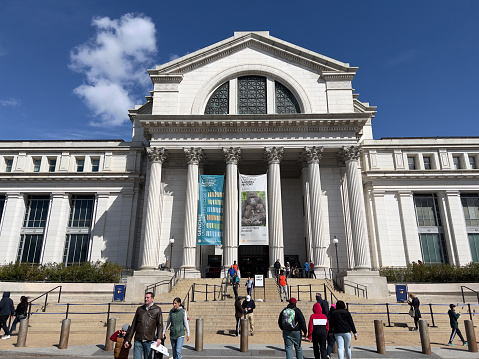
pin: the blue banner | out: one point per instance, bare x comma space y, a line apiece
210, 211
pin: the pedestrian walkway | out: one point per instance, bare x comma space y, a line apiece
255, 351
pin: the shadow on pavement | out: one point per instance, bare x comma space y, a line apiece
275, 348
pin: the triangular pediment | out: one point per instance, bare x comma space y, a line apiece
262, 41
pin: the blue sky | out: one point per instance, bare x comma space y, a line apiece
70, 69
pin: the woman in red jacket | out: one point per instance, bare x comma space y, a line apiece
318, 331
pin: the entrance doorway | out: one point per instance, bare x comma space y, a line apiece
253, 260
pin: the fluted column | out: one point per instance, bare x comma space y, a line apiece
306, 205
230, 244
273, 156
194, 156
312, 156
350, 156
149, 258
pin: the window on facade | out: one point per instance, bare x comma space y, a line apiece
80, 165
32, 232
411, 163
95, 165
474, 245
252, 96
52, 164
219, 101
2, 204
36, 165
472, 162
427, 163
8, 165
431, 232
77, 241
457, 162
470, 205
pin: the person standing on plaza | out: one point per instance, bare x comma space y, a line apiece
291, 322
249, 286
235, 266
453, 317
232, 273
318, 332
283, 286
178, 322
306, 269
20, 312
239, 311
414, 303
342, 325
147, 322
248, 307
6, 310
311, 270
277, 268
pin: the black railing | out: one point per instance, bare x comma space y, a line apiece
360, 290
462, 293
309, 289
46, 299
169, 282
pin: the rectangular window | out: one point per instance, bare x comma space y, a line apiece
30, 248
36, 212
433, 248
8, 165
80, 165
427, 163
76, 248
427, 210
411, 162
472, 162
52, 164
474, 245
457, 162
95, 164
81, 211
470, 205
36, 165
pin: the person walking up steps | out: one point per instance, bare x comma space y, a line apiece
283, 286
342, 325
453, 317
318, 332
291, 322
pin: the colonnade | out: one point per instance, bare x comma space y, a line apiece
310, 157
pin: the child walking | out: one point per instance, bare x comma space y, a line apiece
119, 338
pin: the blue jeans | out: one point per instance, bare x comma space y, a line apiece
344, 343
176, 345
142, 348
292, 338
331, 341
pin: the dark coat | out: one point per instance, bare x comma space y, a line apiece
415, 305
239, 311
146, 324
299, 319
6, 305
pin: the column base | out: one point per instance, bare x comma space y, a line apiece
137, 283
377, 286
190, 272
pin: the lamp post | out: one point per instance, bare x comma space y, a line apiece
172, 240
336, 241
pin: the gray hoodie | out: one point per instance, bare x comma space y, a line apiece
6, 305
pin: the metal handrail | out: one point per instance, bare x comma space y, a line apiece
46, 299
462, 293
357, 288
325, 288
171, 282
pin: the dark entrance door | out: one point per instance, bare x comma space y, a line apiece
253, 260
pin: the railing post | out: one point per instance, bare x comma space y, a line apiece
214, 292
68, 309
325, 294
46, 300
264, 292
379, 331
432, 316
206, 292
108, 315
310, 294
389, 318
29, 309
59, 294
462, 292
469, 308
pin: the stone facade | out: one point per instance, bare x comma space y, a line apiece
327, 176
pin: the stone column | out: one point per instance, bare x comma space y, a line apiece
312, 156
273, 156
149, 258
306, 206
13, 213
58, 223
194, 156
230, 244
350, 156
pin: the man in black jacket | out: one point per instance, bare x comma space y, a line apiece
291, 322
6, 309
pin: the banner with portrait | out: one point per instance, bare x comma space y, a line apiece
210, 211
253, 212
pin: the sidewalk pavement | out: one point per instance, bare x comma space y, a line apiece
255, 351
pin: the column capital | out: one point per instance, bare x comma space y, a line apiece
232, 155
311, 154
273, 154
157, 154
194, 155
349, 153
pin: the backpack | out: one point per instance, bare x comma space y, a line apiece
289, 319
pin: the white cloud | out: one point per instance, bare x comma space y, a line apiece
11, 102
114, 63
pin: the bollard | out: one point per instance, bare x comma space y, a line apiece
65, 334
199, 335
22, 333
110, 329
379, 330
471, 336
424, 333
244, 336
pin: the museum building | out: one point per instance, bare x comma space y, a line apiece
249, 105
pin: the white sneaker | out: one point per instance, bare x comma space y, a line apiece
6, 337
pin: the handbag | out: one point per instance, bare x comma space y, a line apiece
411, 312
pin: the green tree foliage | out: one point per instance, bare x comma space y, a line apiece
441, 273
87, 272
